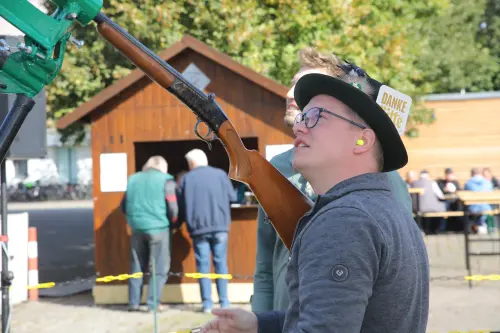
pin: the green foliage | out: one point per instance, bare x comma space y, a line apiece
489, 36
456, 60
416, 46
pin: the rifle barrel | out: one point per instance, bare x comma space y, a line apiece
203, 105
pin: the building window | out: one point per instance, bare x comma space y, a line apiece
21, 167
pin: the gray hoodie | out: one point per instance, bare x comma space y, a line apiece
358, 264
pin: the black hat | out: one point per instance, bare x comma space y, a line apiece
360, 94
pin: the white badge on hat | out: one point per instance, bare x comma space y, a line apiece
396, 104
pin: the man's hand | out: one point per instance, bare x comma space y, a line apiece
231, 321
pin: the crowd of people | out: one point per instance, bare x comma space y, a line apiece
439, 195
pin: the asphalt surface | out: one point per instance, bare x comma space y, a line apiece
65, 238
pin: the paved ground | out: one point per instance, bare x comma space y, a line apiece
454, 307
65, 238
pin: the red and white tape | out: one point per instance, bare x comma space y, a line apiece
32, 264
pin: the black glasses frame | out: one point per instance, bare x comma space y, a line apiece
303, 116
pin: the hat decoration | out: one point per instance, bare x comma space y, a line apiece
396, 104
356, 77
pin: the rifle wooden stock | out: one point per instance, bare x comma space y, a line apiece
282, 202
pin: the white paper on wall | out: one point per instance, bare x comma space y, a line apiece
113, 172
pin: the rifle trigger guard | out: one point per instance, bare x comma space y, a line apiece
206, 138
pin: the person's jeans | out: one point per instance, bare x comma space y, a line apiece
215, 242
146, 248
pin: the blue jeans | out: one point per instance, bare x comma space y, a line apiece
215, 242
146, 248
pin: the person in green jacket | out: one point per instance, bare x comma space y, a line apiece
150, 205
270, 290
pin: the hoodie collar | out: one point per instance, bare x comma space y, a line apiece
365, 182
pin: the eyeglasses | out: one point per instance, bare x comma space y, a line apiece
312, 116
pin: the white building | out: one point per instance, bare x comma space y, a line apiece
64, 164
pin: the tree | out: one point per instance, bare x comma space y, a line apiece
455, 60
489, 36
385, 37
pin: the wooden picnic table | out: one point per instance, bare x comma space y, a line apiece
470, 198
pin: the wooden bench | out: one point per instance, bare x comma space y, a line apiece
416, 190
443, 214
458, 213
489, 212
470, 197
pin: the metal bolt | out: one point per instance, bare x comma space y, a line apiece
78, 43
25, 48
3, 45
71, 16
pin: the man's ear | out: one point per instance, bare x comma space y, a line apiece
365, 142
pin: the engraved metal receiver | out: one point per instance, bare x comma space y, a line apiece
206, 138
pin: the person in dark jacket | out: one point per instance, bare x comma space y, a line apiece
205, 195
449, 186
150, 205
489, 176
358, 262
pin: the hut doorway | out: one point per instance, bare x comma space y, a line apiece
174, 151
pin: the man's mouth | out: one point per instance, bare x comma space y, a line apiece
298, 143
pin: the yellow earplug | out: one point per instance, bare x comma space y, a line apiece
360, 142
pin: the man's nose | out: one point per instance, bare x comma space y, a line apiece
300, 127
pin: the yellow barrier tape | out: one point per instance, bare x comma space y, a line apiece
210, 275
43, 285
491, 277
123, 277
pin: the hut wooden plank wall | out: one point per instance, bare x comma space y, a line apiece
465, 134
132, 115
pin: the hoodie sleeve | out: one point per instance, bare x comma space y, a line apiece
270, 322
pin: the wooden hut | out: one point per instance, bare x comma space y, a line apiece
465, 134
135, 118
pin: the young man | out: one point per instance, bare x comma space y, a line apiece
270, 291
358, 261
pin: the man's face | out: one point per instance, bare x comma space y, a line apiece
330, 142
291, 106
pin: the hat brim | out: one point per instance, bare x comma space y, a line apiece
310, 85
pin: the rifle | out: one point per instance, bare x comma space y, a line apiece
281, 201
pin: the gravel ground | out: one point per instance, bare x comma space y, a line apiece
454, 306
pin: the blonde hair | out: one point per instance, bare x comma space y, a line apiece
156, 162
312, 58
